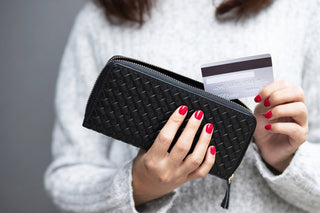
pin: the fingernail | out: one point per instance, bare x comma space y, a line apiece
212, 150
257, 98
268, 127
268, 114
267, 102
198, 115
209, 128
183, 109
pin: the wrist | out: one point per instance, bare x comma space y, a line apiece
278, 167
139, 186
144, 188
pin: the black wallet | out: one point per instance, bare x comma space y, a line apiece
132, 100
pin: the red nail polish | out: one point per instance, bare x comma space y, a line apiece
198, 114
257, 98
183, 109
268, 127
209, 128
268, 114
267, 102
212, 150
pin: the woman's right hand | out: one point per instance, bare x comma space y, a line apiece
157, 172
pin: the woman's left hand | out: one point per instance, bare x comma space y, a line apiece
282, 123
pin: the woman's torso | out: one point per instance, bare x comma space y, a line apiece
182, 35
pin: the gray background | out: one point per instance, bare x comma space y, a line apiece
32, 39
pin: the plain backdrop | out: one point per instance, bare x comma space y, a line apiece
33, 34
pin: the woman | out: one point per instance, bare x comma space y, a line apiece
280, 171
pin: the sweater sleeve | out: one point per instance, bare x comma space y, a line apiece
299, 184
89, 172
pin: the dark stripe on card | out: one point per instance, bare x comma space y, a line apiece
236, 66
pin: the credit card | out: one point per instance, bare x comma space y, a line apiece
238, 78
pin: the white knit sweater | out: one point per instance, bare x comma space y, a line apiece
92, 173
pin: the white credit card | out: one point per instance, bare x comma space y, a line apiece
238, 78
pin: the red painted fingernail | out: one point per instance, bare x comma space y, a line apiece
268, 114
268, 127
267, 102
209, 128
198, 115
257, 98
212, 150
183, 109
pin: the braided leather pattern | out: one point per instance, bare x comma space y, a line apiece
133, 108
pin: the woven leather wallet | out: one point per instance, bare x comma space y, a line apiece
132, 100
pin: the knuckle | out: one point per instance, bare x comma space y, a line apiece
202, 174
299, 91
297, 130
164, 137
164, 178
193, 125
264, 92
195, 161
275, 127
301, 108
181, 148
284, 83
148, 163
276, 97
177, 119
276, 112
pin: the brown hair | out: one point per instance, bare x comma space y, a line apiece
119, 11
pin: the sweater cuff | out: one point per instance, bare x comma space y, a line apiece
122, 188
270, 175
298, 183
162, 204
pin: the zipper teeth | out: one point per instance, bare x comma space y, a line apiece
140, 63
119, 58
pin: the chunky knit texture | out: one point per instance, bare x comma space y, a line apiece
92, 173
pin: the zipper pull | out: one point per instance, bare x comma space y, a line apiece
225, 202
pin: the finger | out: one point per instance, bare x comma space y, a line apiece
281, 96
183, 145
265, 92
297, 111
297, 133
167, 133
286, 95
194, 160
204, 169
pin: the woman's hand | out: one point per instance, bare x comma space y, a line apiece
282, 123
157, 172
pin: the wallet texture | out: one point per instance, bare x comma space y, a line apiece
132, 100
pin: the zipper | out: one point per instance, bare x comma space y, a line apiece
145, 65
229, 180
141, 63
225, 201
